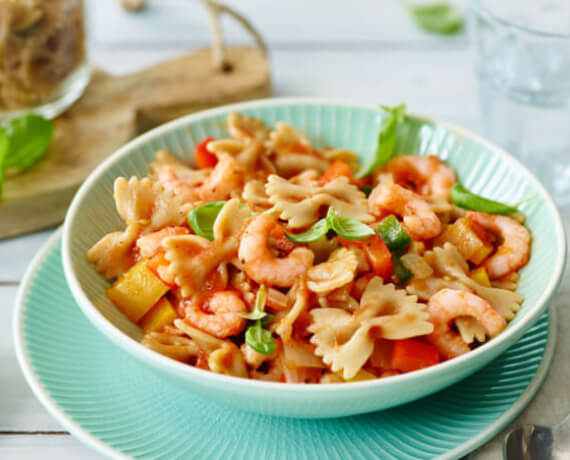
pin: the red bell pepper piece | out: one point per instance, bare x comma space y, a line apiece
411, 355
202, 157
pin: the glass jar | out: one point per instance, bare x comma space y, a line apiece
43, 56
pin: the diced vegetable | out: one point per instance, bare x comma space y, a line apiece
296, 354
136, 291
410, 355
362, 375
381, 357
401, 273
203, 158
393, 234
338, 169
162, 314
378, 256
417, 265
479, 275
469, 242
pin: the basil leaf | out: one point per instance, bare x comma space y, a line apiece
260, 339
3, 153
438, 18
201, 220
253, 315
259, 306
466, 199
29, 137
316, 232
347, 227
267, 319
260, 299
386, 139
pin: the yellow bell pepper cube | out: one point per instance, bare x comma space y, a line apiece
136, 291
162, 314
360, 376
479, 275
467, 241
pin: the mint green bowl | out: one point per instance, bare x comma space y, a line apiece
480, 166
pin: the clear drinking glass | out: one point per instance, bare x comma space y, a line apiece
522, 59
43, 56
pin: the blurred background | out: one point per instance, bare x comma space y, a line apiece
366, 50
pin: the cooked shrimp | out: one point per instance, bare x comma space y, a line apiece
261, 264
447, 305
218, 316
419, 220
429, 175
514, 252
151, 243
227, 175
205, 185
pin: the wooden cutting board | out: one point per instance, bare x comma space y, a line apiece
113, 110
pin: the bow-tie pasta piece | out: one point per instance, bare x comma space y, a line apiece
193, 258
148, 204
301, 205
113, 254
345, 341
470, 329
449, 262
230, 220
246, 128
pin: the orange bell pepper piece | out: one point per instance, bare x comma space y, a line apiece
338, 169
377, 253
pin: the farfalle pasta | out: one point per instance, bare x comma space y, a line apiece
271, 258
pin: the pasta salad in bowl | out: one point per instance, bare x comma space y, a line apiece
312, 259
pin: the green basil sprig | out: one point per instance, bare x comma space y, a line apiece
256, 336
259, 306
23, 142
316, 232
437, 18
386, 139
346, 227
260, 339
466, 199
201, 220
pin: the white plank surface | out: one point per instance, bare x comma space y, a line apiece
44, 447
368, 51
19, 410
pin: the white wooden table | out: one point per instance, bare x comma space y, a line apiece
364, 50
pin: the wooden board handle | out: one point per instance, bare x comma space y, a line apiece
215, 11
